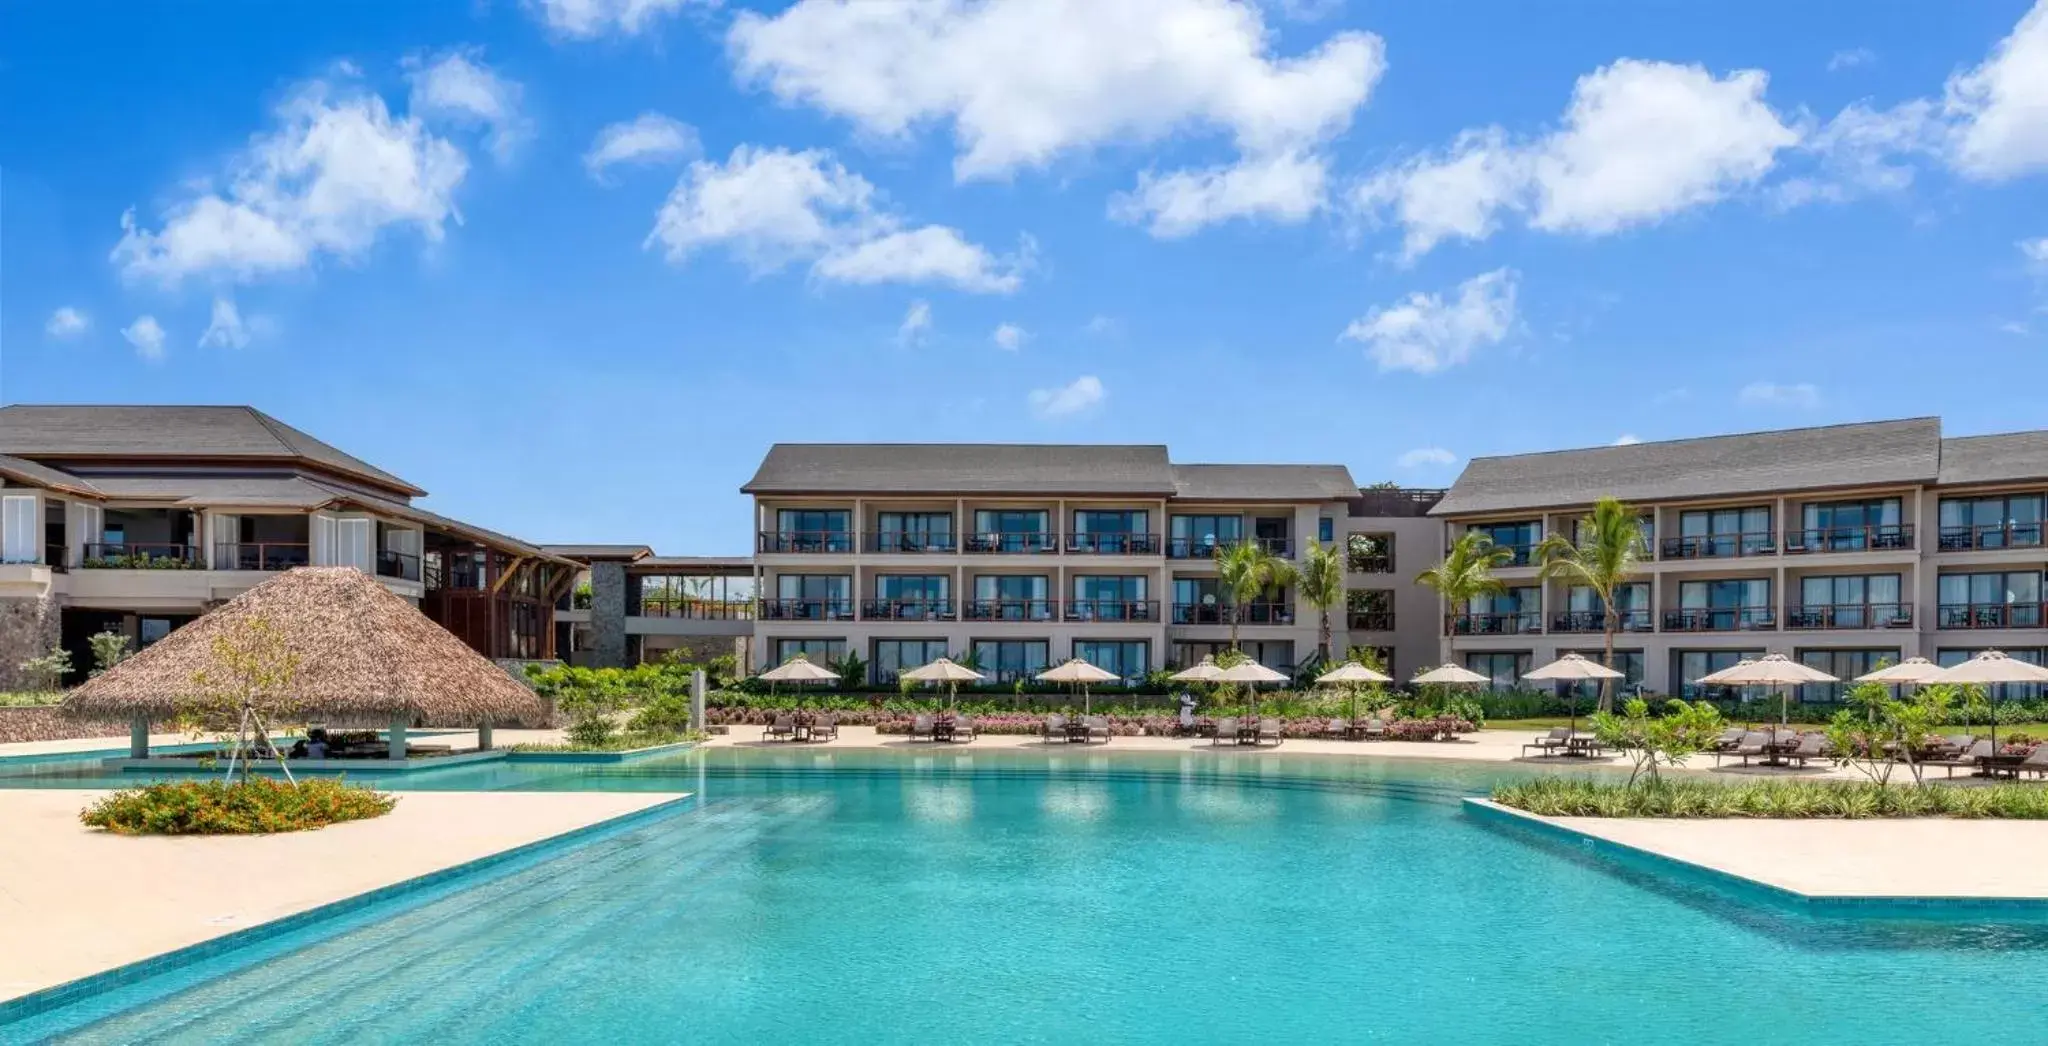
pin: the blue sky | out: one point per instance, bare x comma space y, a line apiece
572, 265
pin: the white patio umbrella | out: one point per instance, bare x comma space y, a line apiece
1769, 670
1205, 672
1081, 673
1991, 667
1911, 670
1350, 674
944, 670
1251, 674
1451, 675
798, 669
1572, 668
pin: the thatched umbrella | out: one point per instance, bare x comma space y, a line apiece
360, 653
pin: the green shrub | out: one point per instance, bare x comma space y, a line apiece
667, 714
1585, 797
594, 731
252, 806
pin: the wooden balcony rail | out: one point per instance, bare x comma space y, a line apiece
1012, 609
1378, 563
1112, 610
697, 609
901, 542
1369, 620
1031, 542
1219, 613
805, 610
907, 610
132, 555
1107, 544
1596, 621
1830, 616
1988, 615
58, 557
402, 565
265, 555
1721, 619
1282, 547
805, 541
1991, 535
1197, 548
1527, 622
1850, 539
1720, 546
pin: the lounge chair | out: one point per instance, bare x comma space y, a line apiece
1055, 728
1268, 727
1225, 728
1375, 729
1338, 728
1559, 737
1810, 746
1752, 744
2036, 762
825, 727
1096, 725
1966, 758
1728, 740
963, 729
923, 726
782, 729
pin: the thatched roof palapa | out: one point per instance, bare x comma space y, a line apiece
364, 655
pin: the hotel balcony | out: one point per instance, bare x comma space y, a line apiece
805, 541
1370, 563
1988, 615
1140, 610
134, 555
898, 543
1369, 620
805, 610
1839, 616
1595, 621
402, 565
1036, 543
907, 610
1993, 536
265, 556
695, 609
1525, 623
1721, 619
1719, 546
1107, 544
1219, 614
1893, 537
1013, 609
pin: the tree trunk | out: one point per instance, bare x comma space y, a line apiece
1607, 685
1325, 647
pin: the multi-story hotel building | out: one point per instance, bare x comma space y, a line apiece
1839, 546
139, 518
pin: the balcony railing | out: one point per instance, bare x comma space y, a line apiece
1032, 543
806, 610
1988, 615
1519, 555
1369, 620
698, 609
1850, 615
1993, 535
402, 565
1720, 546
899, 542
907, 610
1596, 621
1107, 544
265, 555
1264, 613
1850, 539
1012, 609
1282, 547
805, 541
58, 557
1721, 619
133, 555
1378, 563
1195, 548
1112, 610
1524, 623
1201, 613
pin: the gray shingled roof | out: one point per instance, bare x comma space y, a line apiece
22, 470
1264, 482
279, 491
586, 552
57, 433
1907, 451
962, 468
655, 564
2003, 458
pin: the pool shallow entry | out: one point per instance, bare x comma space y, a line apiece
882, 898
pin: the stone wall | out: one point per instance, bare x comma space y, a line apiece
608, 615
28, 629
45, 723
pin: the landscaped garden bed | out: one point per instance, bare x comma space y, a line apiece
1676, 798
251, 806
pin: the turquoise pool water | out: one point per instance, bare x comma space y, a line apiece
862, 897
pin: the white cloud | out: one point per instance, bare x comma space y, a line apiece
1024, 82
1640, 142
2015, 327
585, 19
772, 207
147, 336
459, 88
648, 138
67, 322
1083, 393
225, 330
1009, 337
1425, 456
1858, 153
1851, 58
1425, 333
1100, 326
917, 323
1772, 394
337, 171
1627, 439
2000, 108
2035, 251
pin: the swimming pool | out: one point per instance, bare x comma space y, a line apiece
859, 897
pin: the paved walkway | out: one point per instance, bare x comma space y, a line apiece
74, 901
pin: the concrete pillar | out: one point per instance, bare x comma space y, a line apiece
697, 688
483, 736
138, 737
400, 723
608, 615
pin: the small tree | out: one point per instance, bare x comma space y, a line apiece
1607, 555
1653, 742
1322, 587
1247, 571
1878, 725
47, 672
109, 648
250, 684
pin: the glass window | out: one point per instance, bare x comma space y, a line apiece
1109, 597
1503, 668
1010, 586
813, 586
893, 656
819, 651
1516, 609
1096, 521
1199, 601
913, 587
1996, 522
1842, 525
1011, 597
1520, 538
1009, 660
1632, 596
1692, 664
1326, 530
151, 629
913, 531
1130, 659
1628, 662
816, 522
1122, 531
1010, 521
1194, 537
1842, 664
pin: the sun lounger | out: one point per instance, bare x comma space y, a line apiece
782, 729
1338, 728
1375, 728
1225, 729
923, 726
1753, 743
1269, 728
1967, 758
2036, 762
1558, 738
825, 727
1810, 746
963, 729
1096, 726
1728, 740
1055, 727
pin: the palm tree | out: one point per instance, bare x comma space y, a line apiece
1247, 571
1322, 586
1467, 570
1605, 557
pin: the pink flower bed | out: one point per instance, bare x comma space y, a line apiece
886, 722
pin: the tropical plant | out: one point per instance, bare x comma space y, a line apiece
1877, 725
852, 669
1587, 797
1467, 570
1247, 571
1608, 553
109, 648
47, 671
249, 686
252, 806
1650, 741
1321, 581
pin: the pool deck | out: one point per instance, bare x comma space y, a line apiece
77, 901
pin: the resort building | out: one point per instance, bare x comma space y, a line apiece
139, 518
630, 606
1839, 546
